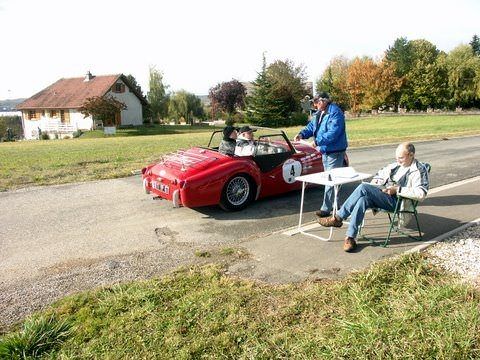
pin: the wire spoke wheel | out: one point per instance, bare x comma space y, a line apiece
238, 190
237, 193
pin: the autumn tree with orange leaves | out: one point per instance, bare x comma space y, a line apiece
333, 81
362, 84
382, 85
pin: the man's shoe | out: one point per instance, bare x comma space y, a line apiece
331, 221
322, 214
349, 244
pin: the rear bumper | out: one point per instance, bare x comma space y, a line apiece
189, 195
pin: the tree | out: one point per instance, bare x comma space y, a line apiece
381, 86
463, 66
157, 96
333, 81
475, 44
400, 56
263, 108
289, 85
183, 104
133, 82
426, 82
228, 96
358, 74
102, 108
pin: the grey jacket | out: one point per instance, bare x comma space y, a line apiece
413, 185
227, 147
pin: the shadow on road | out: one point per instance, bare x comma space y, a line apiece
376, 229
276, 206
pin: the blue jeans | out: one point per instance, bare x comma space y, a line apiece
330, 161
364, 197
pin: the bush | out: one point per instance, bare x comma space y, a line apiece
77, 134
298, 118
238, 118
44, 136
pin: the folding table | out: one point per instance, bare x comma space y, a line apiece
335, 178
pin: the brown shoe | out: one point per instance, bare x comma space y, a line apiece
322, 214
331, 221
349, 244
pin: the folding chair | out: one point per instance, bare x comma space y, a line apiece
394, 216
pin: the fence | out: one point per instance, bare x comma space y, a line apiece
53, 126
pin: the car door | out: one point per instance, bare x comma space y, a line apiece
274, 157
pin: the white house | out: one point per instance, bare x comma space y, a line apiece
55, 109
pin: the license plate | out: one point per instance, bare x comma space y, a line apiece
162, 187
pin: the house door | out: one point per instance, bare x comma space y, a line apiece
118, 118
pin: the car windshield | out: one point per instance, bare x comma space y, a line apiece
266, 141
271, 144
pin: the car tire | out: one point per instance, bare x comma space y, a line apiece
237, 193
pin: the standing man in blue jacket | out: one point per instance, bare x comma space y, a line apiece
327, 127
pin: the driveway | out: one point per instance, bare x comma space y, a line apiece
73, 237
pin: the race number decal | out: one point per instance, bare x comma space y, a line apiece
290, 170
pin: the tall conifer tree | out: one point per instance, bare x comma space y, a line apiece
475, 44
263, 108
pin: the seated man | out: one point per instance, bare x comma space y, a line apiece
407, 177
245, 143
227, 145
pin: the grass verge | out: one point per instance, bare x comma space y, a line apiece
50, 162
397, 309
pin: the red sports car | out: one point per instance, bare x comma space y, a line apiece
202, 176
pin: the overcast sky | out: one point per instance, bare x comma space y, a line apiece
199, 43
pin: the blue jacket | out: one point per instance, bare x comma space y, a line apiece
331, 136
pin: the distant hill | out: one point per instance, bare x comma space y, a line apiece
9, 104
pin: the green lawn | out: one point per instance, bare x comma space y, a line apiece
95, 156
398, 309
151, 130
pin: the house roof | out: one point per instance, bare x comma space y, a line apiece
71, 93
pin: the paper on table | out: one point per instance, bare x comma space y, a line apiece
344, 172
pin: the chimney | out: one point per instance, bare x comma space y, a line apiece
89, 76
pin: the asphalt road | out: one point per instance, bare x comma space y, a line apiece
61, 227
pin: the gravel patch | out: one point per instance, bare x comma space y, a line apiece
459, 254
21, 298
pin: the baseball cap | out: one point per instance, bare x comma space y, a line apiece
246, 129
322, 95
228, 130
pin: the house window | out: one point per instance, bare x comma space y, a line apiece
43, 112
32, 115
65, 116
53, 113
118, 88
